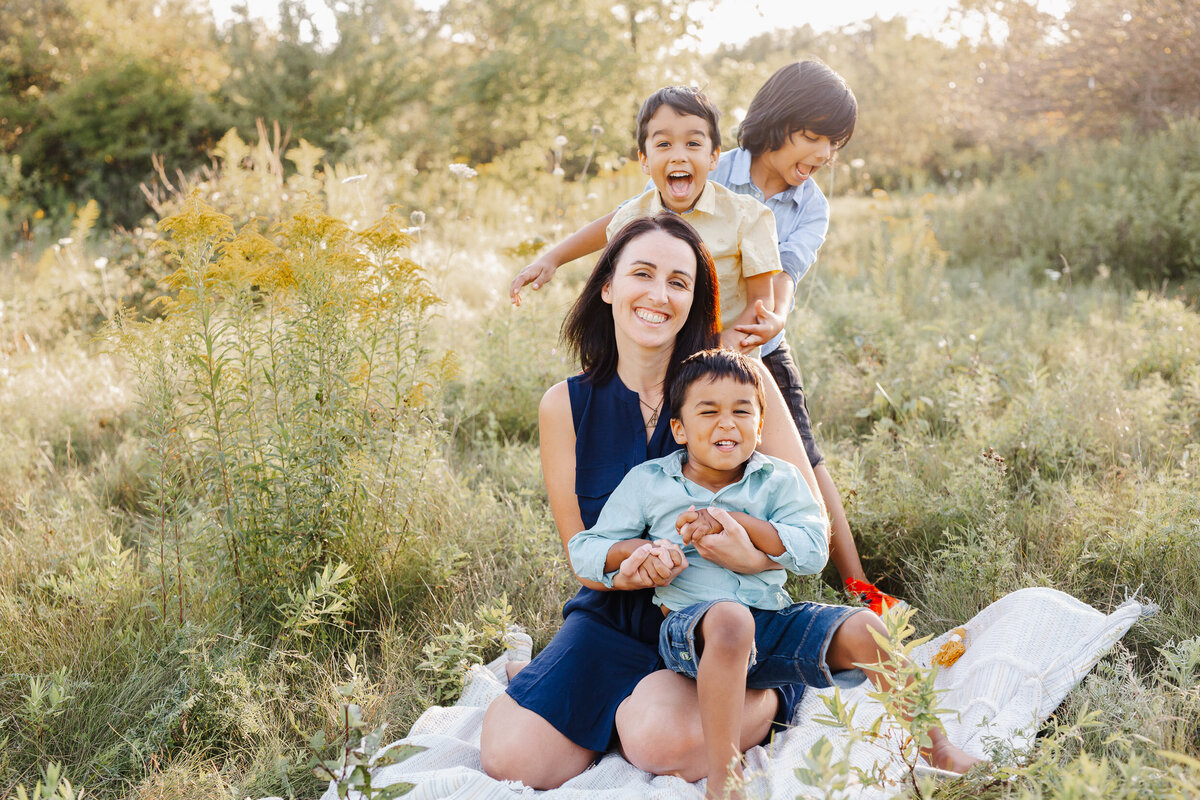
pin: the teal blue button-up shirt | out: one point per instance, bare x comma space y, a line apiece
653, 495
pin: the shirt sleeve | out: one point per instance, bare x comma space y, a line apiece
621, 518
798, 520
629, 210
757, 240
798, 246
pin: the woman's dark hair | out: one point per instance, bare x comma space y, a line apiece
685, 100
712, 365
804, 96
589, 330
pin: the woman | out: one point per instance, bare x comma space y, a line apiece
651, 301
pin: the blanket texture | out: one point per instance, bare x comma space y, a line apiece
1024, 653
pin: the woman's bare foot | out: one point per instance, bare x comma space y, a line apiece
511, 668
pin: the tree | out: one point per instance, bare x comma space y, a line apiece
90, 89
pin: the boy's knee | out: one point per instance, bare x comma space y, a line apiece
854, 641
727, 627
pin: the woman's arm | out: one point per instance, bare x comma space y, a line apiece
556, 431
780, 437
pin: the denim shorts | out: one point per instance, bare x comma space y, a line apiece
789, 645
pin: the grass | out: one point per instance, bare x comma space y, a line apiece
990, 428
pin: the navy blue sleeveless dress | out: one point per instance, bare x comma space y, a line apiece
609, 640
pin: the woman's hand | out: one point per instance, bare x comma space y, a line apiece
730, 547
653, 564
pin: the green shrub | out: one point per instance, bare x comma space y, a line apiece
287, 395
1090, 209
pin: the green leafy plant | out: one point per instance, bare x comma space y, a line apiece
910, 710
450, 655
324, 603
48, 697
53, 785
358, 752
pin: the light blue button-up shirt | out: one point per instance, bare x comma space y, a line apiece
653, 495
801, 217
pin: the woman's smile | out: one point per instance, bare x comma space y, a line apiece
651, 289
652, 317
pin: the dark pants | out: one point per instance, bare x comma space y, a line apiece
787, 377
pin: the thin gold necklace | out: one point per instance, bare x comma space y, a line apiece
652, 423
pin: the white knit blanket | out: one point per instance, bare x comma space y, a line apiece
1024, 653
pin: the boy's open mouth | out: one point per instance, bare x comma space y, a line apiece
679, 184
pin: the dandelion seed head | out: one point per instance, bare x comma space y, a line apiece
597, 130
417, 218
560, 142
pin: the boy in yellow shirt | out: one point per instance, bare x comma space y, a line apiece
679, 142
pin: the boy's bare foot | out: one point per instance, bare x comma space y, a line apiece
513, 667
944, 755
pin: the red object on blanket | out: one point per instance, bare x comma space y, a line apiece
870, 596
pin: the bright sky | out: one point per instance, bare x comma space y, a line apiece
735, 21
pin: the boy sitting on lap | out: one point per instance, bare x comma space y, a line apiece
730, 630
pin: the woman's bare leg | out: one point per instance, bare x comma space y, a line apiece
667, 701
518, 745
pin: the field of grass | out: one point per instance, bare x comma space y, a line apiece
287, 470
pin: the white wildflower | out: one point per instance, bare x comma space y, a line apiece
100, 263
462, 172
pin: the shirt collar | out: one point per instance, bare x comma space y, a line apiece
672, 465
739, 175
706, 203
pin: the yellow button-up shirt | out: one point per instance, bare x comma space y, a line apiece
738, 230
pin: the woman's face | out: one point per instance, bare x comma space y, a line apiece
651, 290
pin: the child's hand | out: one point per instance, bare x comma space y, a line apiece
732, 338
653, 564
694, 524
762, 330
731, 548
538, 273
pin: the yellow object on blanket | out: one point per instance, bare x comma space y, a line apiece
952, 649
